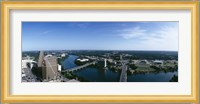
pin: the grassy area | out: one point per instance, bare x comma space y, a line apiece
71, 75
147, 68
144, 67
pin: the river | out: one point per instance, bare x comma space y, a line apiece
106, 75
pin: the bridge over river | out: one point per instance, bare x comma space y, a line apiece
123, 76
78, 67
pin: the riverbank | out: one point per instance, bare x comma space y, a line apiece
100, 74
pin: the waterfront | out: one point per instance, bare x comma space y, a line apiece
107, 75
69, 62
100, 51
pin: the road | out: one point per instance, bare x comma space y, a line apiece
123, 76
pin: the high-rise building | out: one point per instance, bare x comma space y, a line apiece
41, 59
48, 65
105, 63
50, 68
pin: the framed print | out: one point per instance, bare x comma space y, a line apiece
100, 52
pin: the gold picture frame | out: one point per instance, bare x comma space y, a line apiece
5, 40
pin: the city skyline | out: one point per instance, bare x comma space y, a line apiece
155, 36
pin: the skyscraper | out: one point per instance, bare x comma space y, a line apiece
48, 65
50, 68
41, 59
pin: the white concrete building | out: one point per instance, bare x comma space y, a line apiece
63, 55
59, 68
158, 62
83, 60
105, 63
27, 62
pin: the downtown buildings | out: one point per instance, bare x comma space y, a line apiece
49, 66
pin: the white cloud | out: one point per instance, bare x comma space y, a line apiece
168, 39
163, 38
45, 32
135, 32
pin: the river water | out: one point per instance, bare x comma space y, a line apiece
102, 75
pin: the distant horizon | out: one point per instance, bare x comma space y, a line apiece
100, 50
154, 36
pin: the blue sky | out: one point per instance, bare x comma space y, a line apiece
161, 36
